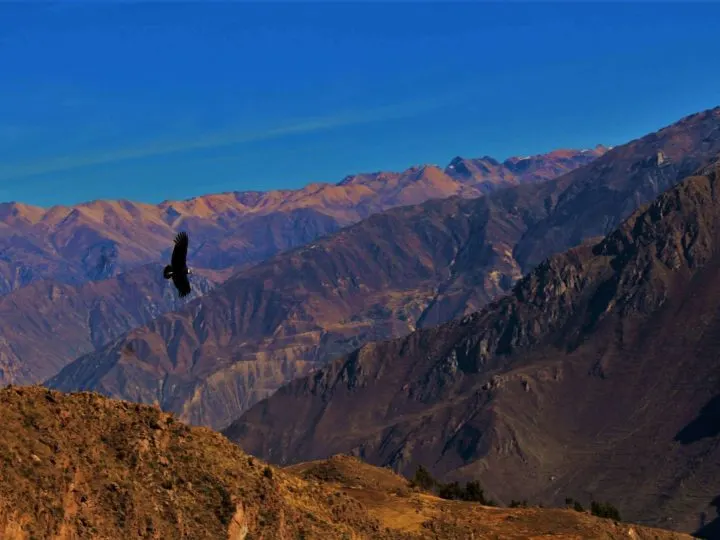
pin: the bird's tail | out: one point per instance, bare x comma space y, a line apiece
167, 272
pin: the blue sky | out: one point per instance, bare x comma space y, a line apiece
171, 100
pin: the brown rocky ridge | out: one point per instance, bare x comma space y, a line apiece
100, 239
597, 377
82, 466
406, 268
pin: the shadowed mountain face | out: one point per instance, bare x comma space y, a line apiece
397, 271
81, 466
47, 324
101, 239
596, 378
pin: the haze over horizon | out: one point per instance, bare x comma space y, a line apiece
168, 101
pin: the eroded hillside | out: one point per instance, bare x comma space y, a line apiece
83, 466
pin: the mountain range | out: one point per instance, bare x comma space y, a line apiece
101, 239
597, 376
58, 250
545, 325
406, 268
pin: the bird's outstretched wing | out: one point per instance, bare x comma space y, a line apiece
179, 254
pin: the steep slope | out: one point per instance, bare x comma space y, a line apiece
47, 324
101, 239
405, 268
585, 203
81, 466
597, 377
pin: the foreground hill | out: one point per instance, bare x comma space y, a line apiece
82, 466
406, 268
101, 239
597, 376
47, 324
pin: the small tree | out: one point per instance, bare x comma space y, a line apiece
451, 491
423, 479
474, 492
604, 510
569, 501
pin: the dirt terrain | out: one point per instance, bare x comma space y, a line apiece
83, 466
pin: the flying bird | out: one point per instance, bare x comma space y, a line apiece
178, 269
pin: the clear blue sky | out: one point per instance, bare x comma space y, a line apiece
163, 101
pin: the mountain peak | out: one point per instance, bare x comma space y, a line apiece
17, 212
487, 171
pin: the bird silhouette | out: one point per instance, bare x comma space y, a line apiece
178, 270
